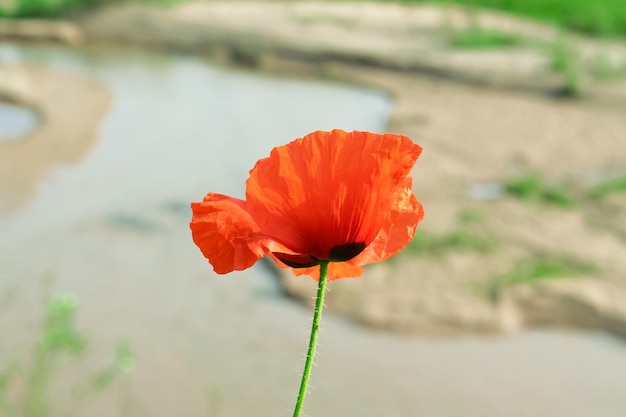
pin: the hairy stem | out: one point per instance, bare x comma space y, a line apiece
319, 305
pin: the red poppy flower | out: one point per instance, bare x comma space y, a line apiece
343, 197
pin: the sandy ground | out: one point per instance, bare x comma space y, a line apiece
71, 108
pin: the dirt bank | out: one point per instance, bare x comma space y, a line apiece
70, 107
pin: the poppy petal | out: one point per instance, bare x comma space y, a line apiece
329, 190
225, 233
398, 230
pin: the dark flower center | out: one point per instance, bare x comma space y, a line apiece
296, 261
345, 252
339, 253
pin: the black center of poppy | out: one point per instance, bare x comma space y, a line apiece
296, 261
345, 252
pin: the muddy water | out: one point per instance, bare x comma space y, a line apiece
112, 230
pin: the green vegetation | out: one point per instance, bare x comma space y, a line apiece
322, 19
531, 188
469, 237
476, 37
564, 56
425, 243
24, 8
60, 342
601, 17
531, 271
596, 17
471, 216
565, 59
52, 8
611, 186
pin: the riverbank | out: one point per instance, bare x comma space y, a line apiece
484, 117
70, 109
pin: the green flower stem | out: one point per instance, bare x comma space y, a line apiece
319, 305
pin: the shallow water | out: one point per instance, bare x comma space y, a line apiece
112, 229
15, 121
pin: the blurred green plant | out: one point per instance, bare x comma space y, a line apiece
122, 363
471, 236
310, 19
533, 270
565, 59
59, 340
595, 17
531, 188
31, 8
54, 8
7, 408
475, 37
471, 216
425, 243
563, 55
611, 186
59, 337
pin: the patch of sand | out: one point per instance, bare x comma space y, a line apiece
71, 108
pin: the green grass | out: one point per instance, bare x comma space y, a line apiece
563, 56
611, 186
557, 196
531, 188
477, 38
596, 17
471, 216
425, 243
531, 271
53, 8
565, 59
464, 239
323, 19
40, 8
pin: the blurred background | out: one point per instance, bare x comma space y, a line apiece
115, 115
